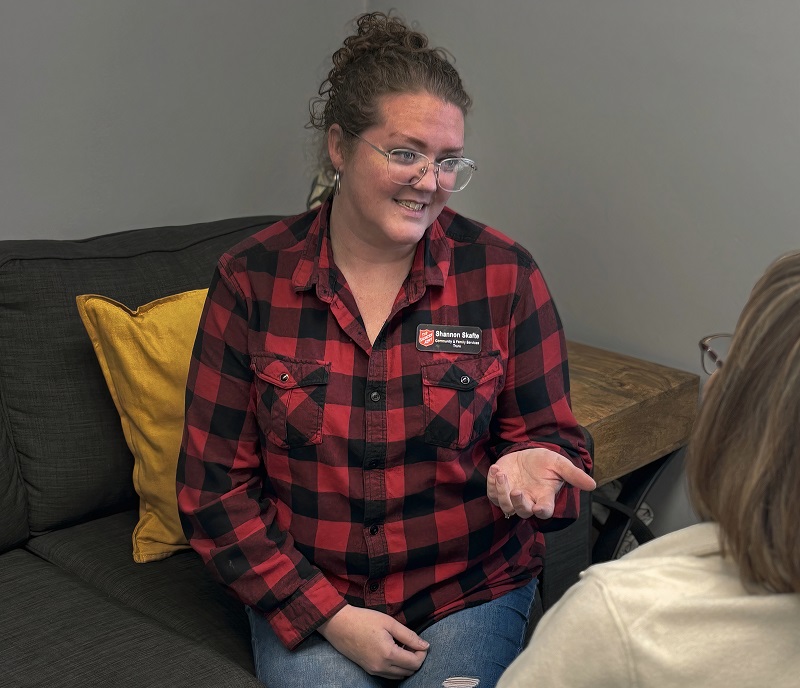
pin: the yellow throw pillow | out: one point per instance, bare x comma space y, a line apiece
144, 355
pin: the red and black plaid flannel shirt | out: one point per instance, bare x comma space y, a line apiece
318, 470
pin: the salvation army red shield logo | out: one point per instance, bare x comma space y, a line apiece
426, 337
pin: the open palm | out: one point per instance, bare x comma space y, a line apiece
526, 482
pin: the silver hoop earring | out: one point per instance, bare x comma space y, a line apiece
337, 183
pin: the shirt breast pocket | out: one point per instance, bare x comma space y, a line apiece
459, 397
291, 398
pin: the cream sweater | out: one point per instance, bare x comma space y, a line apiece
671, 613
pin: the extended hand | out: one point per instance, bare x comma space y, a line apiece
526, 482
376, 642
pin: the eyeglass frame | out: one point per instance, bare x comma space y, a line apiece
436, 165
706, 350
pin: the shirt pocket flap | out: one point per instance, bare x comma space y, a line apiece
287, 373
464, 373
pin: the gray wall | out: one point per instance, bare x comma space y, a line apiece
119, 114
647, 152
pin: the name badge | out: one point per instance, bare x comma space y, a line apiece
457, 339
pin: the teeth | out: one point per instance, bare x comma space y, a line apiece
410, 205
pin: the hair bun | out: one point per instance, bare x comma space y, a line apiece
376, 34
383, 56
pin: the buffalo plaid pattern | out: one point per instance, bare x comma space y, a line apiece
318, 469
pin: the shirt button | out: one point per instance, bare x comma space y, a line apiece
284, 377
373, 587
374, 530
373, 464
465, 379
375, 396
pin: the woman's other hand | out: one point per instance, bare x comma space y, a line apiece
376, 642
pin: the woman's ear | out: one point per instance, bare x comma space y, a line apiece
336, 146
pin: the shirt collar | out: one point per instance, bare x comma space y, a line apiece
307, 273
430, 266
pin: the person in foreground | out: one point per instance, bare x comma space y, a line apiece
715, 604
378, 424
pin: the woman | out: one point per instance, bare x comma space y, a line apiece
715, 604
378, 420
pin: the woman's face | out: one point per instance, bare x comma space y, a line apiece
378, 211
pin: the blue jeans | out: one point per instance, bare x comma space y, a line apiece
479, 642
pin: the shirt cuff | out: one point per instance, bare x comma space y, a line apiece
313, 605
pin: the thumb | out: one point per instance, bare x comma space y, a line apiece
573, 475
406, 637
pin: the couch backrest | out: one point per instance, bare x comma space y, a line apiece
63, 456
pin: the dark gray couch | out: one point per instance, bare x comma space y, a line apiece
75, 610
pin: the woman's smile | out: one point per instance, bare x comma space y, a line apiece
416, 121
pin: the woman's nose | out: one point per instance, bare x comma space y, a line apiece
428, 181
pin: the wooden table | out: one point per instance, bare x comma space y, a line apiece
639, 413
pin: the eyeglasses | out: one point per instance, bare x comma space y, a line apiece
408, 167
712, 358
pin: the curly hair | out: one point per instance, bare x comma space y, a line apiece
743, 463
382, 57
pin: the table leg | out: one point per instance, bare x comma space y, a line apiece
622, 515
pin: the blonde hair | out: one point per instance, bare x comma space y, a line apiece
743, 463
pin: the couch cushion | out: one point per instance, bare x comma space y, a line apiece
55, 630
144, 353
177, 592
13, 499
61, 425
